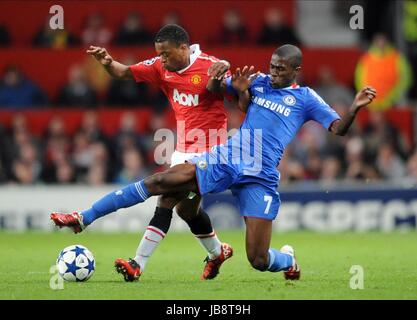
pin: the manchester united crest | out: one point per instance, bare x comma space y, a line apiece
196, 79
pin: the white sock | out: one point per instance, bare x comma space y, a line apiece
150, 241
211, 243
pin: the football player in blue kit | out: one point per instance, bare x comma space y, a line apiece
276, 108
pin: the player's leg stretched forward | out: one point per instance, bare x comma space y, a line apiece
172, 183
264, 258
200, 225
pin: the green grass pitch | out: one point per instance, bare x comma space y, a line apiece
389, 262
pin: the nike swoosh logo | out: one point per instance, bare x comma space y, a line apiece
146, 237
169, 77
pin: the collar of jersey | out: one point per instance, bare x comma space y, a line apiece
293, 86
195, 52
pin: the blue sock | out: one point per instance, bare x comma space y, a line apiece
132, 194
279, 261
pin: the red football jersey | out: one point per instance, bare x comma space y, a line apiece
201, 116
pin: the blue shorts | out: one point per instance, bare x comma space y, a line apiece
256, 198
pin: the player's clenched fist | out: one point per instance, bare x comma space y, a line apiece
101, 55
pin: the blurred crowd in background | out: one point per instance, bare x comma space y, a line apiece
18, 91
375, 151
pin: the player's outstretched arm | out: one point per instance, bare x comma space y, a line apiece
241, 81
115, 69
362, 99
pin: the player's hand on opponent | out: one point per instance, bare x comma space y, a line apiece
101, 55
218, 69
242, 79
364, 97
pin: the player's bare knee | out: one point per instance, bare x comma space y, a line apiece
154, 182
259, 262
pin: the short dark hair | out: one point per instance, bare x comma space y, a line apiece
291, 53
173, 33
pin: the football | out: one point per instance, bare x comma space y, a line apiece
76, 263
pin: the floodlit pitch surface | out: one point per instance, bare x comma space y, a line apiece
388, 261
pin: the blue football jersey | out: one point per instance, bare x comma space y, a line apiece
273, 118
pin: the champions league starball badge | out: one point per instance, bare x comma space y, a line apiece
202, 164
